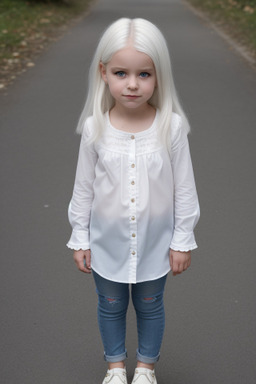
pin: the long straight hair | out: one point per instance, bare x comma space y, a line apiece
146, 38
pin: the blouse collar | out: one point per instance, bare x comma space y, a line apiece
119, 132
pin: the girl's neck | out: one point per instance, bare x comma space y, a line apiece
132, 120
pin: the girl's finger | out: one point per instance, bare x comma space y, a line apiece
88, 260
86, 268
175, 268
81, 266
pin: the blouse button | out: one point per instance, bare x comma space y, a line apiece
132, 137
132, 182
134, 235
133, 165
133, 217
132, 200
133, 253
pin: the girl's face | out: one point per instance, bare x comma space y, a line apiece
131, 78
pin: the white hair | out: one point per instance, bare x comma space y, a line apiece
146, 38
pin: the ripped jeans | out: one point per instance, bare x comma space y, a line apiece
147, 298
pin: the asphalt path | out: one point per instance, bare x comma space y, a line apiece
49, 331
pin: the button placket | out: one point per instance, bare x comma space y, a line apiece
132, 216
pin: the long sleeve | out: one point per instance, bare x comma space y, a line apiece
186, 205
80, 205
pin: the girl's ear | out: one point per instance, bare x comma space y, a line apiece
103, 72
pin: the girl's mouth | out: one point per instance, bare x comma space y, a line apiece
131, 96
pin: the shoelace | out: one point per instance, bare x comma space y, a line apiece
152, 374
121, 375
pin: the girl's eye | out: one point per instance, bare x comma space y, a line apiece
144, 74
120, 73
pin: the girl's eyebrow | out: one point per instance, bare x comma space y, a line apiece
142, 69
119, 68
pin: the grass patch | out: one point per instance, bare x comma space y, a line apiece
26, 27
236, 17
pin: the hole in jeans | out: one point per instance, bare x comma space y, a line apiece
149, 299
111, 300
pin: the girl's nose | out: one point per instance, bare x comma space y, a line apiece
132, 82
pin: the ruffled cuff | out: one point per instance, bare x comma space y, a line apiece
79, 240
183, 242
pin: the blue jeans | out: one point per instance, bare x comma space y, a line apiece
113, 300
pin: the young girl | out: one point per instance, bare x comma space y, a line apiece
134, 204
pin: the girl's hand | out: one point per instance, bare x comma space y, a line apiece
179, 261
83, 260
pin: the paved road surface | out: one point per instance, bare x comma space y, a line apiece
48, 312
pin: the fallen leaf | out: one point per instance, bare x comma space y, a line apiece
248, 9
44, 21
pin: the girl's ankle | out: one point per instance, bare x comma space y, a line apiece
144, 365
119, 364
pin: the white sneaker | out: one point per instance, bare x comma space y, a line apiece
144, 376
115, 376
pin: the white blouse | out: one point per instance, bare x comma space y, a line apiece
132, 201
